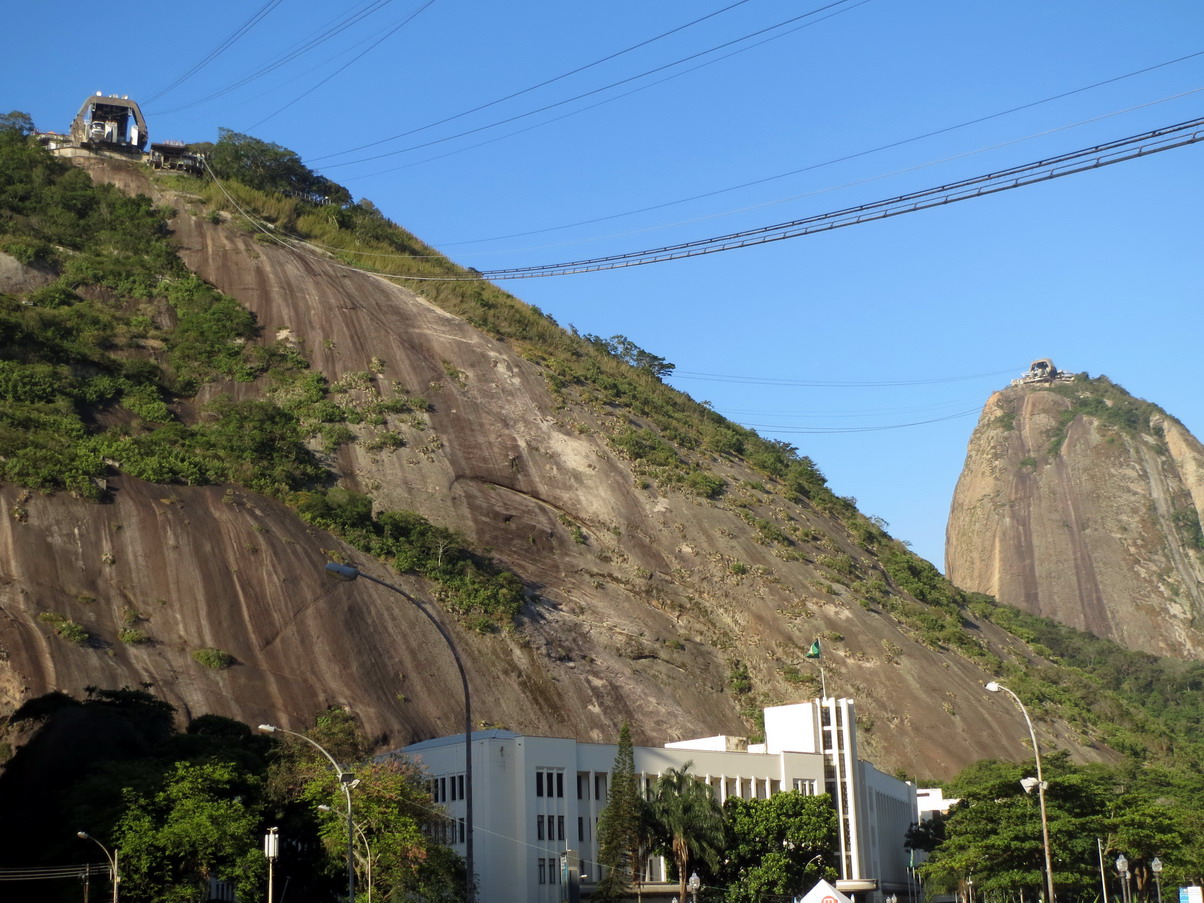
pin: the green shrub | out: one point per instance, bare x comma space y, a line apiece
66, 628
705, 484
214, 659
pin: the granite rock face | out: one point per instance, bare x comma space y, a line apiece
642, 599
1082, 504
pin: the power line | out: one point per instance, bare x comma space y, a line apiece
1098, 156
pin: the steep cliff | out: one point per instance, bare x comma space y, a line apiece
675, 587
1081, 503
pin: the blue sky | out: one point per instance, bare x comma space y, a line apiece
523, 119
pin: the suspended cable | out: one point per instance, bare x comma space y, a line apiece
388, 34
1098, 156
859, 414
833, 384
603, 102
817, 430
561, 103
312, 43
814, 166
535, 87
246, 26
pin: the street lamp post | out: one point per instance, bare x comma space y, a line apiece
347, 572
995, 687
367, 851
112, 857
1122, 869
271, 852
1156, 868
346, 781
694, 885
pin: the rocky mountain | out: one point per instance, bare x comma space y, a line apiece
674, 567
1081, 503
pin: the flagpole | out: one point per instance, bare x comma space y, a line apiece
814, 653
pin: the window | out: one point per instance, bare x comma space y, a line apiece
599, 786
461, 830
580, 829
543, 870
559, 826
582, 786
539, 828
549, 783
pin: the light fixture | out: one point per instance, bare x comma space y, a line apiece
350, 573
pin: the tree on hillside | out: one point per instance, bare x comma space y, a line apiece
623, 827
269, 167
776, 846
995, 831
203, 823
391, 807
16, 121
688, 821
394, 825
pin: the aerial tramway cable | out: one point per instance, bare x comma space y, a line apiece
1095, 157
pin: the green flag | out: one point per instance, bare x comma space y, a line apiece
813, 652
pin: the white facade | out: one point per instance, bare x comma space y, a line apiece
536, 797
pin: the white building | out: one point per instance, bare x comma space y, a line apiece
537, 797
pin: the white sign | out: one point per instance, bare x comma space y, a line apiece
823, 892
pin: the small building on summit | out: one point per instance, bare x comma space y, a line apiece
111, 123
1042, 370
536, 800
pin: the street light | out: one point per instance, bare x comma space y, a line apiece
995, 687
694, 885
349, 573
112, 857
1156, 868
1122, 869
367, 850
346, 781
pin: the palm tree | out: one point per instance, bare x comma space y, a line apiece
689, 820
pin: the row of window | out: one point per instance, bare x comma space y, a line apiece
549, 870
549, 827
448, 831
549, 782
447, 789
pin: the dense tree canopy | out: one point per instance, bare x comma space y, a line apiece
994, 832
269, 167
776, 846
